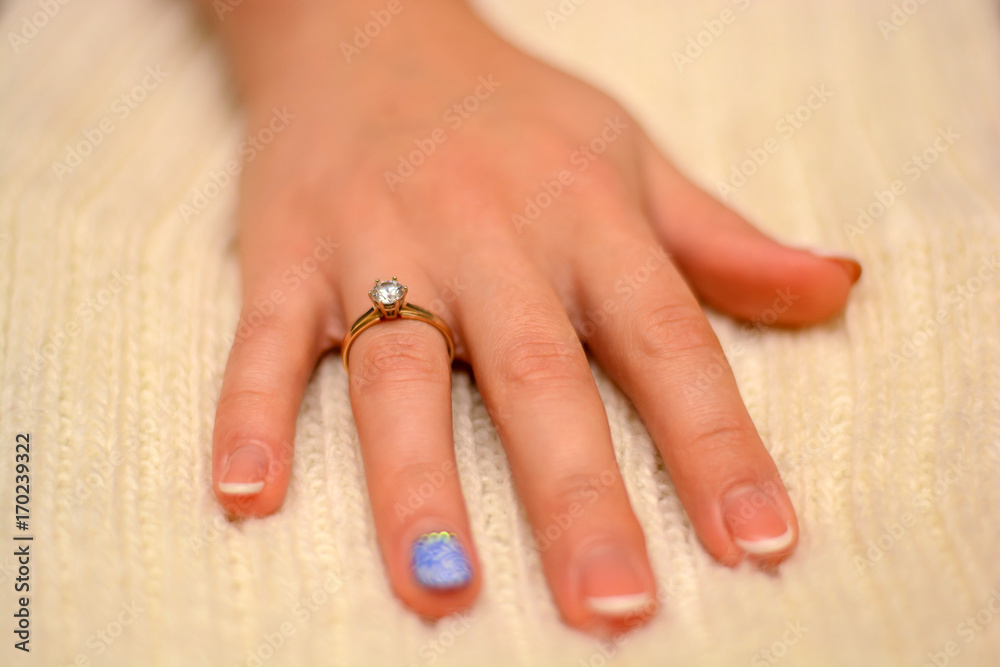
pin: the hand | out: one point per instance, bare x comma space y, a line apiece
529, 211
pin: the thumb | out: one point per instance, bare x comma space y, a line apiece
734, 266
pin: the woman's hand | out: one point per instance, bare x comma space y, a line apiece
529, 211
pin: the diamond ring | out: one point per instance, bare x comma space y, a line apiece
389, 299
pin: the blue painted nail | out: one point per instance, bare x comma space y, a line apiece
439, 561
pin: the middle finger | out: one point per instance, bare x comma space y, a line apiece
400, 381
535, 380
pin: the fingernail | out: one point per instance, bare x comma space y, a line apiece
610, 583
439, 562
246, 469
755, 522
850, 265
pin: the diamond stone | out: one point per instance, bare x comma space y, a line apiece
388, 292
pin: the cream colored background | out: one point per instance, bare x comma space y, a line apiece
121, 414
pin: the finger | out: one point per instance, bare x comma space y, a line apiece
400, 382
537, 384
734, 266
648, 331
278, 342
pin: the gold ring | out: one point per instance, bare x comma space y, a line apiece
389, 299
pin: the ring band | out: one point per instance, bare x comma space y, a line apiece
389, 299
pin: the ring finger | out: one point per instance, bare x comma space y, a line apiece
400, 386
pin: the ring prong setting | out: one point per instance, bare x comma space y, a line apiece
389, 302
389, 297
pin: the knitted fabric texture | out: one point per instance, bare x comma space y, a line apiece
859, 126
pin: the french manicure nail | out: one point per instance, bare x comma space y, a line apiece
618, 605
850, 265
755, 522
439, 562
245, 472
610, 583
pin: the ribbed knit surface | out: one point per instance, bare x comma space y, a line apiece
116, 316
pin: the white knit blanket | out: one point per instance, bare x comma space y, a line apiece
119, 296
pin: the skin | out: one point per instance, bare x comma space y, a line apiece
518, 297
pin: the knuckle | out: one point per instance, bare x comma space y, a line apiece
413, 482
533, 362
602, 179
579, 489
274, 317
718, 433
399, 357
297, 201
260, 329
608, 104
246, 397
673, 329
